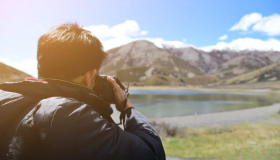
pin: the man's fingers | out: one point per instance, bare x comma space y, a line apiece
119, 96
113, 82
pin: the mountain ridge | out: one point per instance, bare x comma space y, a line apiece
143, 61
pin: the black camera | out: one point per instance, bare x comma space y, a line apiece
104, 90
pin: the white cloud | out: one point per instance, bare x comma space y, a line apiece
224, 37
116, 35
128, 28
159, 42
246, 21
246, 44
143, 32
269, 25
124, 33
28, 66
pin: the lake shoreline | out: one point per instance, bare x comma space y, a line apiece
220, 118
194, 88
269, 86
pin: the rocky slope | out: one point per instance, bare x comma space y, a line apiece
273, 56
199, 59
241, 65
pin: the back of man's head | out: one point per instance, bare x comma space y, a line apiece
68, 51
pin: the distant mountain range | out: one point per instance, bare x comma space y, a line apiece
10, 74
143, 63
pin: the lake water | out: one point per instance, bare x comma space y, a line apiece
154, 104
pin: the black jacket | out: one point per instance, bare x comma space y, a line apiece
61, 120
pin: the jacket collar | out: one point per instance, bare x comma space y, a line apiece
48, 87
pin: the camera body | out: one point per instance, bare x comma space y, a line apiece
104, 90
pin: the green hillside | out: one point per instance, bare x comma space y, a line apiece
270, 72
10, 74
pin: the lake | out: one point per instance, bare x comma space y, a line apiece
154, 104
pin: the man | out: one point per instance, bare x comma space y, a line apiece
58, 116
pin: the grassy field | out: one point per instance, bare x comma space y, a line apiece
268, 85
255, 141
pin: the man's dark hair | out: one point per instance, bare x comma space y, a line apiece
68, 51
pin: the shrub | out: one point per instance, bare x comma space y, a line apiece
168, 130
218, 130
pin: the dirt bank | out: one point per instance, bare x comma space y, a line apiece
221, 118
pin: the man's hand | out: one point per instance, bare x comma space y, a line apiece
119, 95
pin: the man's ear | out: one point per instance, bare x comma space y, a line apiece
89, 76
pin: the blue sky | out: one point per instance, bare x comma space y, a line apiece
239, 24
